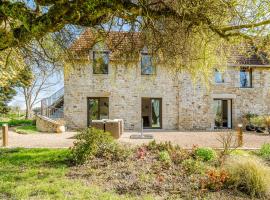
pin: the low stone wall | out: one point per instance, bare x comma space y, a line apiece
45, 124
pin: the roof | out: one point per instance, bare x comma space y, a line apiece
246, 54
123, 42
116, 42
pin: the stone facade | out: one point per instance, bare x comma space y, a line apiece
185, 106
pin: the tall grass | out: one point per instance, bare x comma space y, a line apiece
249, 175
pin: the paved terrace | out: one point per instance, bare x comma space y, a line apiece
184, 139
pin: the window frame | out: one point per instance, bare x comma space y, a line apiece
250, 76
89, 120
154, 69
222, 77
95, 63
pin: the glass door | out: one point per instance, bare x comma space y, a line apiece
151, 112
156, 113
98, 108
223, 113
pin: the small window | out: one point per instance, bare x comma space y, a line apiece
245, 78
100, 62
147, 67
219, 76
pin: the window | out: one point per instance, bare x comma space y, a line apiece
219, 77
98, 108
100, 62
245, 77
147, 67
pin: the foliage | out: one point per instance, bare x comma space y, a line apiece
257, 121
265, 151
249, 175
162, 146
26, 129
7, 88
247, 117
215, 179
229, 144
6, 94
178, 156
204, 32
206, 154
194, 166
93, 142
164, 156
18, 122
43, 174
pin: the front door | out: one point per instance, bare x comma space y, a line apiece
151, 112
97, 108
223, 113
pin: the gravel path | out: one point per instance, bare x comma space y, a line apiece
184, 139
42, 140
203, 139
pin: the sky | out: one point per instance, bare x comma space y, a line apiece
18, 100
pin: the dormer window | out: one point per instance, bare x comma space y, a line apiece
100, 62
219, 78
147, 67
245, 78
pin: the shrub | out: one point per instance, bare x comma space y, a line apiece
164, 157
179, 156
249, 175
194, 166
26, 129
206, 154
215, 179
92, 143
162, 146
265, 151
18, 122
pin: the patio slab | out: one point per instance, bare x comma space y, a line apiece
202, 139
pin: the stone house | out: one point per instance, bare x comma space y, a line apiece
148, 95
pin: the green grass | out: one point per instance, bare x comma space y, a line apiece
42, 174
26, 129
17, 122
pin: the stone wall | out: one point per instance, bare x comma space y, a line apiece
185, 106
45, 124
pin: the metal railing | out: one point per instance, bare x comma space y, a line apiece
48, 105
46, 102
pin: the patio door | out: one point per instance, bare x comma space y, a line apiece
223, 113
151, 113
97, 108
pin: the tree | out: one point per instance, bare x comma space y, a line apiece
8, 91
6, 94
188, 35
41, 81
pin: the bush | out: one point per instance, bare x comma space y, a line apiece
215, 179
18, 122
179, 156
26, 129
265, 151
164, 157
206, 154
248, 175
194, 166
93, 143
162, 146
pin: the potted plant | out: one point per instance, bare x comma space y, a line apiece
247, 121
258, 122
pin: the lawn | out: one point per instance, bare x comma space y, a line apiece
42, 174
28, 129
